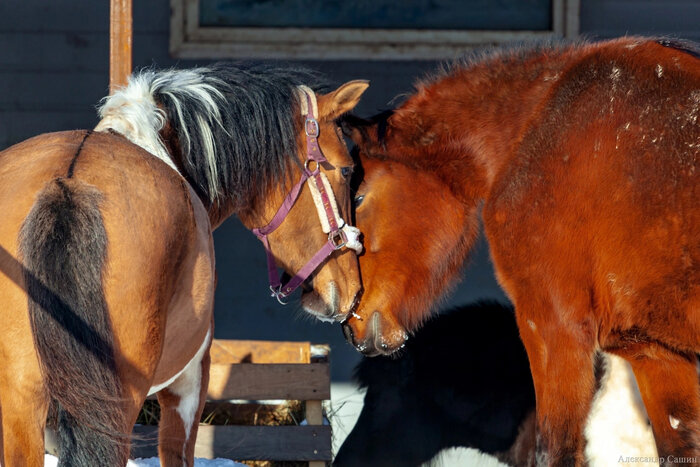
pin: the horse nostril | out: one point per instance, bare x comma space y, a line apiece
349, 335
376, 331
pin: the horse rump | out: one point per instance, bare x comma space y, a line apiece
63, 244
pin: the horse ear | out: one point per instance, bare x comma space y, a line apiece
342, 100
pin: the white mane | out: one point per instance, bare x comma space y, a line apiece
133, 112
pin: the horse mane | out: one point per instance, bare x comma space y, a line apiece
520, 51
236, 125
491, 61
511, 52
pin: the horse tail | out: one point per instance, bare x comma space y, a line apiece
63, 244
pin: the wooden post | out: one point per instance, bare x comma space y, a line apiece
314, 416
120, 34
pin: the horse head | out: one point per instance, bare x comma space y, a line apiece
416, 236
258, 141
320, 216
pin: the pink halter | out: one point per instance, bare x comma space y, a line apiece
340, 235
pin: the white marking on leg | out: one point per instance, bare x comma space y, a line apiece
188, 388
187, 385
159, 387
197, 358
674, 422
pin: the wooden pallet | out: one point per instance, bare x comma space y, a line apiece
258, 371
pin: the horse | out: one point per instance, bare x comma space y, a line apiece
107, 256
437, 401
582, 160
426, 400
463, 381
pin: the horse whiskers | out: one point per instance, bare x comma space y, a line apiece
353, 308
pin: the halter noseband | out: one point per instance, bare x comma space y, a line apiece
340, 234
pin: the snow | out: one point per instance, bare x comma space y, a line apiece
463, 456
617, 404
52, 461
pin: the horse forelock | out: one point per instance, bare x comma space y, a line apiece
237, 126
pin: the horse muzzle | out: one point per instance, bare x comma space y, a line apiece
328, 307
375, 337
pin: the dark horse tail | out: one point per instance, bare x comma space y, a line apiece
63, 244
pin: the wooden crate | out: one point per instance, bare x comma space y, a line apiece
257, 371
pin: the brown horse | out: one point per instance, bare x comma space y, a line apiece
463, 380
107, 256
585, 158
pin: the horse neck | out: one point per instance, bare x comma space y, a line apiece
466, 126
219, 210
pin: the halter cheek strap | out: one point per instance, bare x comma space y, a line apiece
340, 234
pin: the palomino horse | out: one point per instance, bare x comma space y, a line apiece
107, 256
585, 158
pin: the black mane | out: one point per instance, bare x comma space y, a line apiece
254, 126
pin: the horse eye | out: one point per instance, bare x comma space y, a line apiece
359, 200
346, 171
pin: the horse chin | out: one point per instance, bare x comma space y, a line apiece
378, 340
316, 306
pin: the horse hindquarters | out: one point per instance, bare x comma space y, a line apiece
63, 245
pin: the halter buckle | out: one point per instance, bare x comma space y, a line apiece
314, 127
338, 239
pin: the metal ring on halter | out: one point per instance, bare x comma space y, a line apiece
338, 239
306, 165
277, 293
316, 129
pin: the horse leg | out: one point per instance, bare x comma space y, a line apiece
24, 409
181, 406
668, 382
561, 361
2, 452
